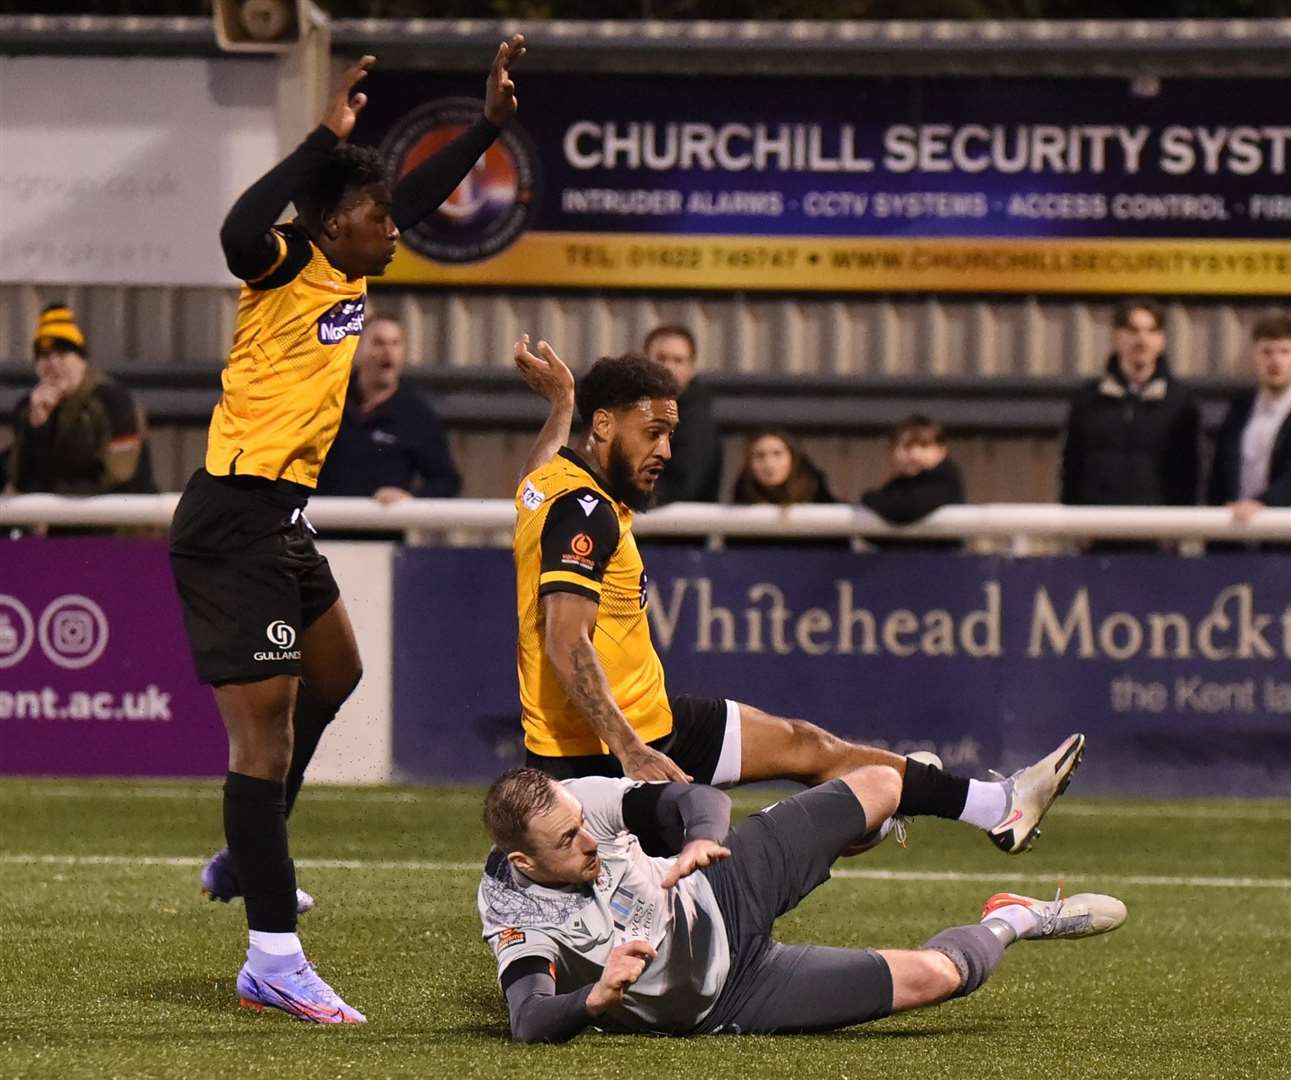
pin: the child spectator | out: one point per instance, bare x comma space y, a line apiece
923, 479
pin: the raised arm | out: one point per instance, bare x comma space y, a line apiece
422, 191
547, 375
249, 246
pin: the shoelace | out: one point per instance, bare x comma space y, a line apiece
1050, 918
901, 828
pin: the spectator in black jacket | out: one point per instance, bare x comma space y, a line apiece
1252, 466
390, 445
1133, 435
79, 432
924, 478
777, 471
695, 472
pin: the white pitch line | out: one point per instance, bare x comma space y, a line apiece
1221, 812
432, 867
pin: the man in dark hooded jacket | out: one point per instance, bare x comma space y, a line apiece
1133, 435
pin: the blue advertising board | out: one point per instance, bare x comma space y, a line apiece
1178, 670
838, 184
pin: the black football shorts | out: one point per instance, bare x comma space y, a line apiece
250, 579
705, 742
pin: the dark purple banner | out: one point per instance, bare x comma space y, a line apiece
96, 678
1178, 670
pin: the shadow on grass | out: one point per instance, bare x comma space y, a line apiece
867, 1033
192, 991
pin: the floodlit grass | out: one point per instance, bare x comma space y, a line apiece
113, 966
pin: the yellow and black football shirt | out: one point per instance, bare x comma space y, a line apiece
298, 326
572, 536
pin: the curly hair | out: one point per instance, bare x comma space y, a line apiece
347, 171
514, 799
615, 382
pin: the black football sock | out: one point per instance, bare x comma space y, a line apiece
930, 790
255, 827
310, 721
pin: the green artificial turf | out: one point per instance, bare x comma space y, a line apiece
113, 965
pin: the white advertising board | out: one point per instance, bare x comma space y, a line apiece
119, 171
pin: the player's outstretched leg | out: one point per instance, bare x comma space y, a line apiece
1009, 810
922, 977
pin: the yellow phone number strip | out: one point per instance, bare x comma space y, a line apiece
603, 260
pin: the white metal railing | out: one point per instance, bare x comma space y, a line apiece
988, 520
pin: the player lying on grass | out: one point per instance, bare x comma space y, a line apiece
589, 930
592, 689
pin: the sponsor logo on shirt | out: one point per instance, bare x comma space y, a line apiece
341, 320
580, 547
532, 497
633, 916
510, 936
588, 503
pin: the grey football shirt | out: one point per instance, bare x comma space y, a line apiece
576, 928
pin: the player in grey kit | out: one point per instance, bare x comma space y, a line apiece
589, 929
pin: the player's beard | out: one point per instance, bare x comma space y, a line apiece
622, 480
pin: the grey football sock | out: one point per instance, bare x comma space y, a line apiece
973, 949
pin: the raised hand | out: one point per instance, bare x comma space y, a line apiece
546, 373
500, 102
694, 855
627, 963
346, 105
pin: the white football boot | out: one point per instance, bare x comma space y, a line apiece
1082, 915
1031, 791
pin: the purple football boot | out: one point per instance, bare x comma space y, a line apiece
299, 993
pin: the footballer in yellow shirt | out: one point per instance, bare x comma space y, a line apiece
592, 688
263, 613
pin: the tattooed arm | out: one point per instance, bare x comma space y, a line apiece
567, 640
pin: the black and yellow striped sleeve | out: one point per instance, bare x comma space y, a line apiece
578, 537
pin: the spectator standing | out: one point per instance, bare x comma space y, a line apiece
1133, 435
390, 445
695, 472
79, 432
1252, 466
923, 478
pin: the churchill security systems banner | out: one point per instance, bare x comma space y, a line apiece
840, 185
